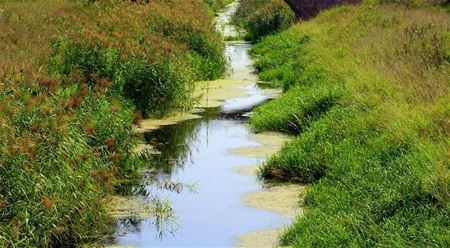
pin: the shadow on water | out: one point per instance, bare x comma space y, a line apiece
163, 220
174, 144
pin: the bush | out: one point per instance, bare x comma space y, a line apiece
270, 18
155, 64
63, 149
263, 17
154, 88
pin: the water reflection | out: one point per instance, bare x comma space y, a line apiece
164, 222
192, 181
174, 144
213, 215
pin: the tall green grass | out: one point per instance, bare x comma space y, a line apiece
156, 65
263, 17
62, 151
154, 88
367, 92
74, 78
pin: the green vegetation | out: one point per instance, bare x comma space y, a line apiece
263, 17
155, 63
61, 152
74, 77
367, 92
217, 5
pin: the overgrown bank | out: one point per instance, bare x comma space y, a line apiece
367, 94
74, 77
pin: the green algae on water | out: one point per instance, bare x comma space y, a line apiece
147, 148
120, 207
153, 124
270, 144
214, 93
282, 199
264, 238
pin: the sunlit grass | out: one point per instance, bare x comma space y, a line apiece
377, 154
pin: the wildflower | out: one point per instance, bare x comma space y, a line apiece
114, 158
115, 107
85, 156
48, 203
116, 170
110, 143
74, 102
36, 100
58, 229
103, 83
137, 118
50, 84
35, 128
84, 90
3, 203
89, 130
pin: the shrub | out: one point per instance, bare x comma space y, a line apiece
270, 18
154, 64
153, 87
263, 17
62, 151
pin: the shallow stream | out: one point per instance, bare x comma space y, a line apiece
205, 167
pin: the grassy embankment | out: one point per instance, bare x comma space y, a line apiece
74, 76
367, 94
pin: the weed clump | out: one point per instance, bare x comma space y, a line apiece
263, 17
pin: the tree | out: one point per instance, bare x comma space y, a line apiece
305, 9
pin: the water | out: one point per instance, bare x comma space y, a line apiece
197, 152
214, 215
223, 21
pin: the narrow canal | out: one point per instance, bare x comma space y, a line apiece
205, 166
